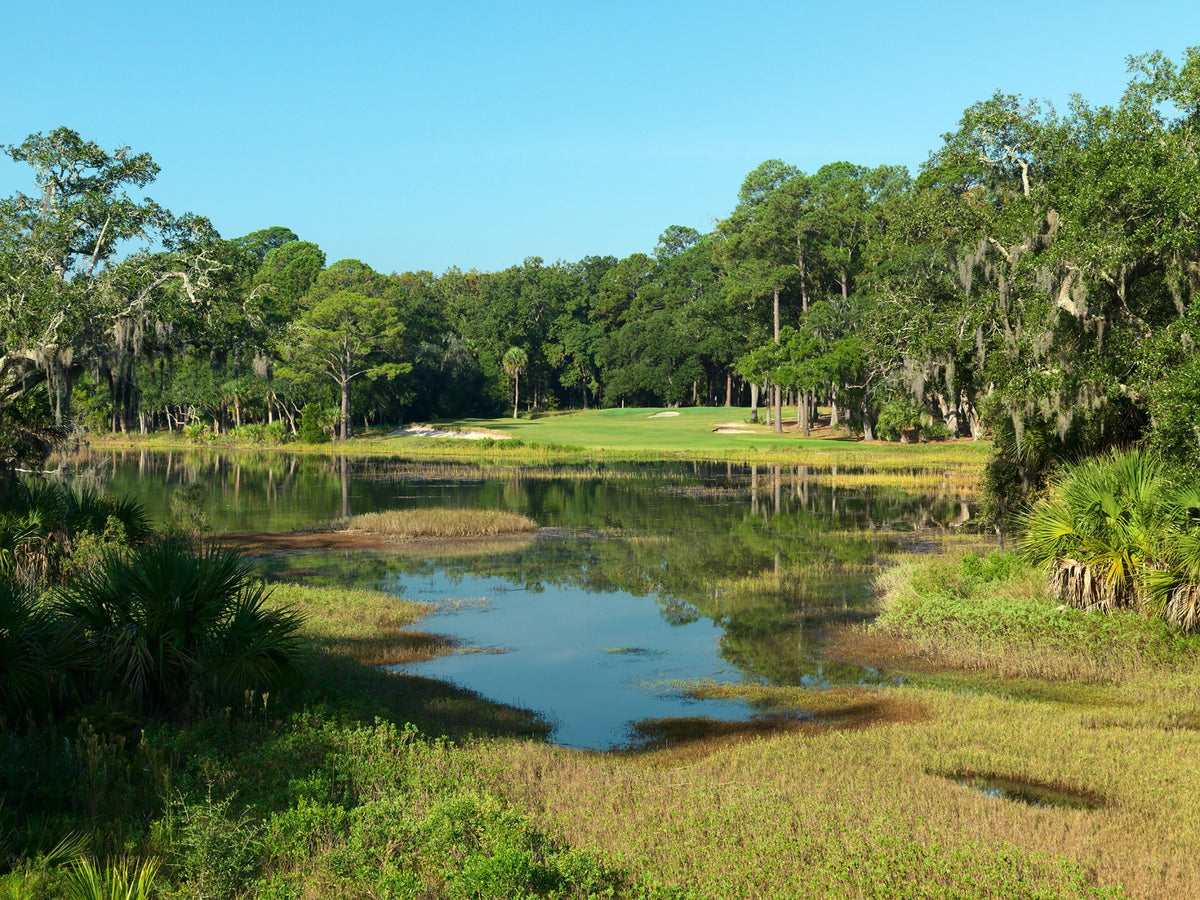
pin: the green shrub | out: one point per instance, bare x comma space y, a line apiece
187, 511
897, 416
196, 432
277, 432
166, 622
254, 433
215, 853
40, 654
936, 431
314, 424
1118, 532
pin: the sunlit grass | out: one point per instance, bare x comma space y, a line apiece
370, 627
632, 435
440, 522
998, 617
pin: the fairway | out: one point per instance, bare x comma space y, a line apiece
694, 431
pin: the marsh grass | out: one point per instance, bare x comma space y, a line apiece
789, 812
370, 627
994, 614
441, 522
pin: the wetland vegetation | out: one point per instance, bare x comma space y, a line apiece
629, 650
840, 770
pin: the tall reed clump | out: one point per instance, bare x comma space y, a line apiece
1118, 532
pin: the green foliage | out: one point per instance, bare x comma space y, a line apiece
187, 513
167, 624
936, 431
314, 424
997, 605
896, 417
252, 434
40, 656
213, 851
277, 432
46, 524
124, 879
196, 432
1118, 532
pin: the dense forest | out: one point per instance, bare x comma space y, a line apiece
1034, 280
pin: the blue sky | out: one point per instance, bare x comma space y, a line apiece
426, 135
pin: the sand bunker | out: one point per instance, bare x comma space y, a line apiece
431, 432
662, 415
725, 430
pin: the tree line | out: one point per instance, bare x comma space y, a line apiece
1034, 279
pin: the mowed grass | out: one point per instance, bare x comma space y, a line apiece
626, 435
692, 431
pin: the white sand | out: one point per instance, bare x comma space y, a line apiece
430, 431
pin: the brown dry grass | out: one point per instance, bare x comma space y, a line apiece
756, 816
441, 522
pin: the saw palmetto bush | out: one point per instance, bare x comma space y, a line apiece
42, 523
41, 655
1117, 532
167, 623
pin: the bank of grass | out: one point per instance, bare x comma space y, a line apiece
440, 522
371, 628
994, 614
849, 793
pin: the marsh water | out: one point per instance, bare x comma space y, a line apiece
642, 580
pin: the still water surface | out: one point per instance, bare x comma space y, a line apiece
645, 577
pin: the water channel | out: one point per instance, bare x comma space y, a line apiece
643, 578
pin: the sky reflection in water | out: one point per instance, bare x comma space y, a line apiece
693, 571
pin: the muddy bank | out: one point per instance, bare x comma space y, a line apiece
285, 543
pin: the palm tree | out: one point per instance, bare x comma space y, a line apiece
514, 362
1116, 532
166, 622
40, 654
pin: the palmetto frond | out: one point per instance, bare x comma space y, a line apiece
1116, 532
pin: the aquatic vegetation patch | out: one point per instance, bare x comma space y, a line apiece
440, 522
370, 627
1022, 790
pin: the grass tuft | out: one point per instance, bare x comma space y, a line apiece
441, 522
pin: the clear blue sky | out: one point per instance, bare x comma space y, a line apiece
425, 135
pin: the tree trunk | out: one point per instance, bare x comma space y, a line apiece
754, 403
345, 408
868, 422
516, 392
778, 395
729, 388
